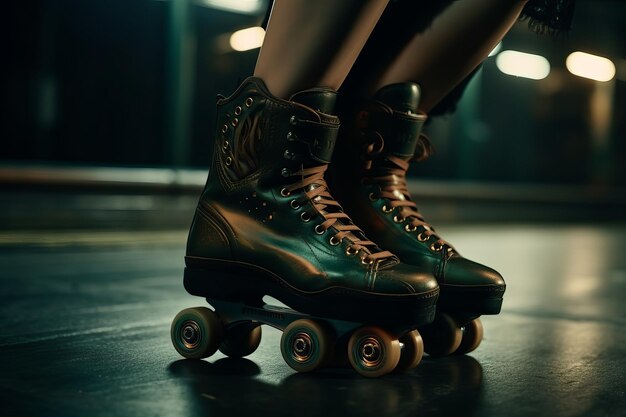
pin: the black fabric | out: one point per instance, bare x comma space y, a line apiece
549, 15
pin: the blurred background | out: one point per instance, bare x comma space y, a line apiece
106, 129
120, 94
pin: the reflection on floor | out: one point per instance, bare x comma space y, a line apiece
85, 330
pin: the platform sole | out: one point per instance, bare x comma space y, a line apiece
472, 302
238, 281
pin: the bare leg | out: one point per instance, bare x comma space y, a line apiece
314, 43
458, 40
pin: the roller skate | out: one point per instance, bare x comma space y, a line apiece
267, 225
376, 152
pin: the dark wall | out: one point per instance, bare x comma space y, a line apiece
88, 81
94, 82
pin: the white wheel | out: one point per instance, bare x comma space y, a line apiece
196, 332
472, 336
241, 340
442, 337
373, 352
412, 351
306, 345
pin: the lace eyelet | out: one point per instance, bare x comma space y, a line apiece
366, 261
225, 146
334, 241
285, 192
249, 101
305, 217
372, 197
319, 229
237, 110
235, 122
294, 204
289, 155
386, 209
350, 251
285, 172
410, 228
224, 128
398, 219
293, 120
422, 237
436, 246
291, 136
229, 161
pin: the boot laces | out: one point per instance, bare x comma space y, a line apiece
315, 190
390, 177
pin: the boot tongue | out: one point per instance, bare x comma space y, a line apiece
402, 97
320, 99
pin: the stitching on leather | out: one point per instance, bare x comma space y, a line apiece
219, 220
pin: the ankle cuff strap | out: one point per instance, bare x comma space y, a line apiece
320, 138
401, 131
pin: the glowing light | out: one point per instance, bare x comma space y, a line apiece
590, 66
239, 6
521, 64
246, 39
496, 49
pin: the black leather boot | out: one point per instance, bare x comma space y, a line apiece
370, 182
266, 223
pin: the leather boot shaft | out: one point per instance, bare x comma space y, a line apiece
375, 150
259, 135
392, 124
383, 134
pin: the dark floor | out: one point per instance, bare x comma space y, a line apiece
86, 315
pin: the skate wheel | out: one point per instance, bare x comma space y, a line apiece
373, 352
442, 337
305, 345
412, 351
472, 336
241, 340
196, 332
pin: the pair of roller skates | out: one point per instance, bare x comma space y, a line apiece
267, 225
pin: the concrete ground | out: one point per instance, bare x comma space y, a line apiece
85, 331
